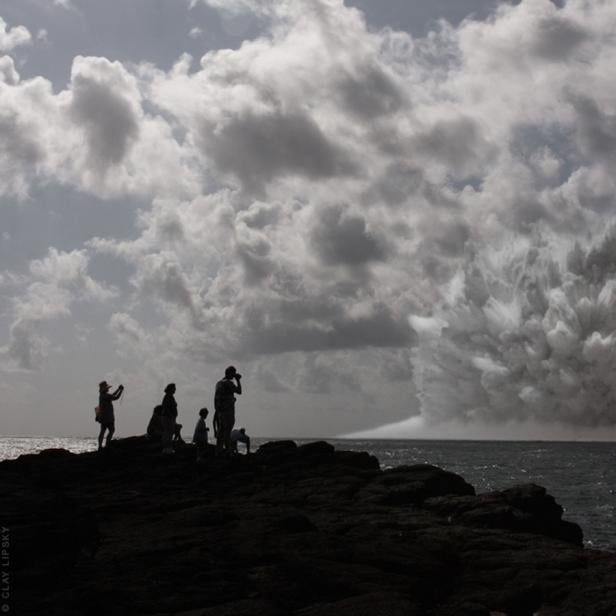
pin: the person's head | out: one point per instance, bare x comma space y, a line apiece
103, 386
170, 389
203, 413
230, 372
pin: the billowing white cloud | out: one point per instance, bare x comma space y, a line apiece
94, 136
8, 74
48, 292
13, 37
527, 333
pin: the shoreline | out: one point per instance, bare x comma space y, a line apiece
305, 530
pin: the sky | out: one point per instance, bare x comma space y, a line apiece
395, 218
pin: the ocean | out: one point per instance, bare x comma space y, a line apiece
580, 475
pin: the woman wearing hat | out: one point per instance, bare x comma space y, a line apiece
106, 416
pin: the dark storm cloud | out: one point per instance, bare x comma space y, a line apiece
525, 213
379, 329
399, 182
458, 143
371, 94
108, 117
451, 238
343, 238
258, 148
596, 129
558, 37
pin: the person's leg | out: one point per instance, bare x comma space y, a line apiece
229, 423
101, 435
110, 431
168, 425
220, 437
200, 451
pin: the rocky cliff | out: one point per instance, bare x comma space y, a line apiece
303, 531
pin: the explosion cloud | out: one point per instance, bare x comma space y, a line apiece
525, 332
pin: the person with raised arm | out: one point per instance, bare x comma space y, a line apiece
105, 415
224, 405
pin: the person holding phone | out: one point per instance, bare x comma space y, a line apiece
106, 416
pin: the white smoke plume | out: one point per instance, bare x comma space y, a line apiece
526, 332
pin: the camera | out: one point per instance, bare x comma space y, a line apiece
238, 375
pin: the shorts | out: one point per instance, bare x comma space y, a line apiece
226, 419
107, 422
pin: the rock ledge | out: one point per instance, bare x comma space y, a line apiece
304, 531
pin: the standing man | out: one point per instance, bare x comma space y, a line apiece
224, 405
105, 415
168, 414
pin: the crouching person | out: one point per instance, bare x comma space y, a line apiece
239, 436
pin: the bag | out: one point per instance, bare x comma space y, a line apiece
97, 414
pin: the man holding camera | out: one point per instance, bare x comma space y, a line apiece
224, 405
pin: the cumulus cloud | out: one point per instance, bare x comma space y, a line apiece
13, 37
342, 238
94, 136
8, 74
48, 292
105, 103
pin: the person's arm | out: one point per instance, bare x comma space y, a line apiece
117, 393
238, 387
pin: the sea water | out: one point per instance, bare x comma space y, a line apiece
580, 475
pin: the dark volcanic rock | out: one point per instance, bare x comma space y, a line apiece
522, 508
304, 531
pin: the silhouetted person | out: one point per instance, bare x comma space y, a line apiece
155, 427
224, 403
200, 434
169, 414
177, 433
105, 415
239, 436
